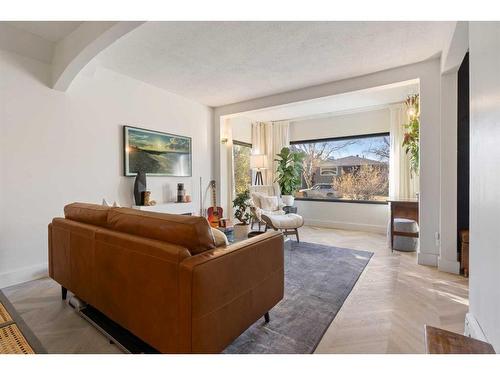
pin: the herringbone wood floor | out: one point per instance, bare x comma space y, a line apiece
384, 313
393, 299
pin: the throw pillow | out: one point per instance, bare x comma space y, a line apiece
269, 203
220, 238
256, 199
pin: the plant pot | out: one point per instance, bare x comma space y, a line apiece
288, 200
240, 231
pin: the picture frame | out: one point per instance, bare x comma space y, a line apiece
156, 153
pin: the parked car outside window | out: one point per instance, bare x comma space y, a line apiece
320, 191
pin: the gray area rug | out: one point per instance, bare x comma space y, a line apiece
318, 279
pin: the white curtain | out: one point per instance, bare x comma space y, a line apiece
402, 184
229, 189
269, 139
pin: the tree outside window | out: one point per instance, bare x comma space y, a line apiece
242, 170
354, 168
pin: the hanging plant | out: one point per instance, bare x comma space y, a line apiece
412, 132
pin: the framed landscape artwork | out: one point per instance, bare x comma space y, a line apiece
156, 153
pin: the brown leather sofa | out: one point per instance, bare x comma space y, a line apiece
162, 277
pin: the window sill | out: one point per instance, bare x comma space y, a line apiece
340, 201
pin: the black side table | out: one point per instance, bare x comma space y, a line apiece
290, 209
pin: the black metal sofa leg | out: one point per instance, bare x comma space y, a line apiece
64, 292
266, 317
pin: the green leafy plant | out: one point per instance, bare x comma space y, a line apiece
288, 171
242, 207
412, 132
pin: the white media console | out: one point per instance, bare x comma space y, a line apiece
170, 208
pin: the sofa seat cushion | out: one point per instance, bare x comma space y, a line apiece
94, 214
191, 232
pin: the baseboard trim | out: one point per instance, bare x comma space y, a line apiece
347, 226
21, 275
426, 259
450, 266
473, 328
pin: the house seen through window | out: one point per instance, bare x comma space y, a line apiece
354, 168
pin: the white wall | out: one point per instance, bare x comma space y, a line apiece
352, 216
484, 294
366, 122
241, 128
25, 43
448, 222
56, 148
428, 73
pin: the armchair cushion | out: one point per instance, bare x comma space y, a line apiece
256, 199
258, 192
269, 203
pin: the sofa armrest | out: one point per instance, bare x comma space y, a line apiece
225, 290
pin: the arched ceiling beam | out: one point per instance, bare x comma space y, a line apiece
82, 45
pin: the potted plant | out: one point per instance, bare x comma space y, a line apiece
288, 173
241, 205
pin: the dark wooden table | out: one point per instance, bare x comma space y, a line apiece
439, 341
403, 209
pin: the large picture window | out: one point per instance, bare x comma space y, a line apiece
354, 168
242, 170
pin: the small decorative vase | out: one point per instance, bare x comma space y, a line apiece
240, 231
288, 200
180, 193
139, 187
146, 198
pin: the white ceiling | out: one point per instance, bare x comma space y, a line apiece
361, 100
53, 31
217, 63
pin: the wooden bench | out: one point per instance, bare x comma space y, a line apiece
439, 341
403, 209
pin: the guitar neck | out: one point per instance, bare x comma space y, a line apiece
214, 196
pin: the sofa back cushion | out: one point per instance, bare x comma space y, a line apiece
191, 232
93, 214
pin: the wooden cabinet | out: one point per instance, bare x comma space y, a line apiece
464, 252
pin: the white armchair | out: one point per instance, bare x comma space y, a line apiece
265, 200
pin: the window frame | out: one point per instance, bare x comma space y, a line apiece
240, 143
342, 138
334, 171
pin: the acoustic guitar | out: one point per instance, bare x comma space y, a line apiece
214, 213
